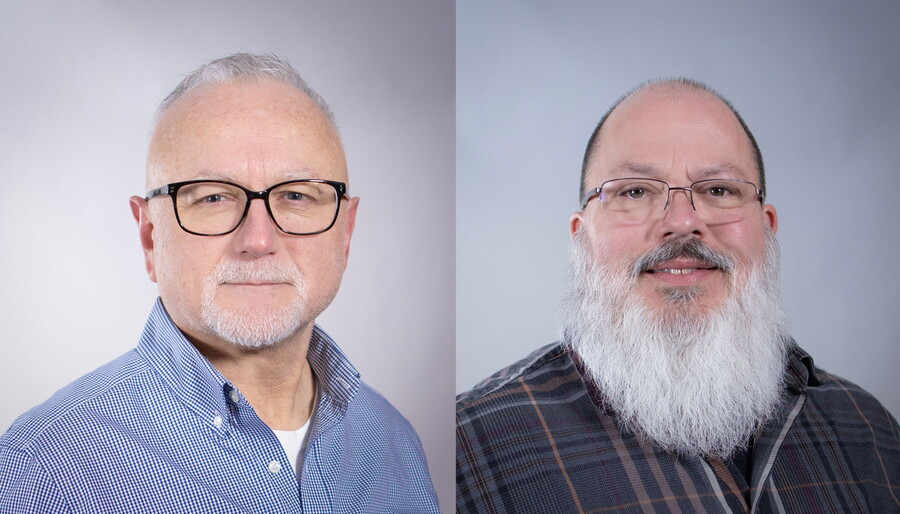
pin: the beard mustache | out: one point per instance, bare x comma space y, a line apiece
253, 326
694, 382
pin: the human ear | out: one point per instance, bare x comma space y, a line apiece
141, 214
771, 217
350, 223
575, 223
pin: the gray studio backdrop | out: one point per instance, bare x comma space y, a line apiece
817, 83
79, 87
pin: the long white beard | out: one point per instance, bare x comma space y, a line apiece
694, 383
252, 326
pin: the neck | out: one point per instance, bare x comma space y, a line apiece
277, 380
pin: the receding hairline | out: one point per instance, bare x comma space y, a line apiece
677, 84
245, 68
237, 69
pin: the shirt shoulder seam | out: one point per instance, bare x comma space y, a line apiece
36, 461
523, 368
75, 402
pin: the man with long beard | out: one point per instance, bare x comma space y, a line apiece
676, 387
234, 400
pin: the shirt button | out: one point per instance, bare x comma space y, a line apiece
235, 397
217, 421
274, 467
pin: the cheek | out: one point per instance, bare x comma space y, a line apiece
617, 245
744, 241
182, 266
322, 264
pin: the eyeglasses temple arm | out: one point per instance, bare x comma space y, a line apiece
590, 194
159, 191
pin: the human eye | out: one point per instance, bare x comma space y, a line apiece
295, 196
719, 189
298, 196
634, 191
205, 195
213, 198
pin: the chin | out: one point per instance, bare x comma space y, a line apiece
697, 299
252, 325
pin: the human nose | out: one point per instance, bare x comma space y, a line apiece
680, 218
256, 235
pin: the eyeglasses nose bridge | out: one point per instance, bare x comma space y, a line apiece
261, 195
688, 190
258, 195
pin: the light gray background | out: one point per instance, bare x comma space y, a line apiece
816, 81
79, 85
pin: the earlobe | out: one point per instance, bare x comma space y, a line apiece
139, 210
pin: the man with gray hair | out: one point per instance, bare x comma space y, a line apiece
234, 400
676, 387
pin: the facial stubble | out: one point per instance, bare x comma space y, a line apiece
247, 325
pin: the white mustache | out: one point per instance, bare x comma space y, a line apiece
684, 247
260, 271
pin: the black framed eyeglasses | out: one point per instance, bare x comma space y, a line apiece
216, 207
636, 199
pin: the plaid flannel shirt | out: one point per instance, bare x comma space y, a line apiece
534, 438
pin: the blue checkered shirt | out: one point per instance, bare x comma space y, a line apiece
160, 430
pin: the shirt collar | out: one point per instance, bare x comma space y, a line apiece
801, 370
200, 386
181, 367
337, 378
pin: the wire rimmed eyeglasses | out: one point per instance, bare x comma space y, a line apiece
635, 199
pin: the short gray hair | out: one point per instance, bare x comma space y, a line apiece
246, 68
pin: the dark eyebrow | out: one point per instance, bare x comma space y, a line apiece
633, 168
718, 169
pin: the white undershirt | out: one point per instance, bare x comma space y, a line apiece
294, 441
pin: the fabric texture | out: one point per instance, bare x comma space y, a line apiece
535, 437
294, 442
161, 430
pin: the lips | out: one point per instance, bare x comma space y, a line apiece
256, 283
680, 267
676, 271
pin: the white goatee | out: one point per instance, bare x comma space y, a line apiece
253, 326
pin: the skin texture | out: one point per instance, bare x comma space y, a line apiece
679, 135
256, 135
